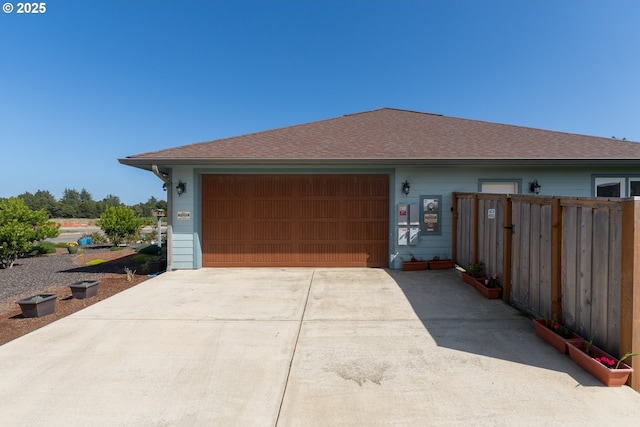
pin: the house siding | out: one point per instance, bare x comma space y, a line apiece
432, 180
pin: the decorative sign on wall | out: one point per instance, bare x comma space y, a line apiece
491, 213
184, 216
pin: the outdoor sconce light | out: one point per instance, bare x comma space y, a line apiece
405, 187
181, 188
534, 187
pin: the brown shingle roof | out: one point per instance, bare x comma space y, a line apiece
398, 136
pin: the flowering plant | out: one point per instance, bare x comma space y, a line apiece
72, 244
556, 327
608, 362
492, 282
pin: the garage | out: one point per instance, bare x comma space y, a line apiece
300, 220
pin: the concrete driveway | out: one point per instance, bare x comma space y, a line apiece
299, 347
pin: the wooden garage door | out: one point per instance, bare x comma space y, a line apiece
295, 220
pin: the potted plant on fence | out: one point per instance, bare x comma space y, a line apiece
610, 371
437, 263
487, 286
38, 305
555, 333
414, 264
475, 272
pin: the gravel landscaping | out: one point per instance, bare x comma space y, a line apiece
53, 274
30, 276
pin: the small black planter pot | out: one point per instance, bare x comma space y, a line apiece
85, 289
38, 305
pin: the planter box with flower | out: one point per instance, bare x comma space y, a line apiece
84, 289
38, 305
555, 334
437, 263
72, 247
610, 371
414, 264
487, 286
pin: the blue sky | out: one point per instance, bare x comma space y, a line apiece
88, 82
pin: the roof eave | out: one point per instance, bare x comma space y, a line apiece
146, 163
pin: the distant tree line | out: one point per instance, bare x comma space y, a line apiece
80, 204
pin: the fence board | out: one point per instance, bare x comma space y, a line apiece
534, 258
569, 266
584, 273
599, 276
516, 239
615, 281
545, 269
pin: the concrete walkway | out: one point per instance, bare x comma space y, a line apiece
299, 347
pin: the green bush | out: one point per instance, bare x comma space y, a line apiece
44, 248
120, 224
116, 248
99, 238
62, 245
20, 229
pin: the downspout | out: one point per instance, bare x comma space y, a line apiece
156, 172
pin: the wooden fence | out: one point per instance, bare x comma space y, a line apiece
573, 259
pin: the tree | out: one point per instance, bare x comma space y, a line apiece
20, 227
119, 224
69, 203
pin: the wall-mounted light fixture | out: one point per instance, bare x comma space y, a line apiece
181, 188
534, 187
406, 187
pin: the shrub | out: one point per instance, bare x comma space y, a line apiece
44, 248
62, 245
150, 250
20, 227
99, 238
119, 224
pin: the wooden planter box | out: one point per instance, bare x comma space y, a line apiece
85, 289
556, 340
441, 264
38, 305
609, 377
414, 265
489, 293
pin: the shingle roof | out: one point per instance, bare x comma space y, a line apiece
394, 136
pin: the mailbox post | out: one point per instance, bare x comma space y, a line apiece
159, 213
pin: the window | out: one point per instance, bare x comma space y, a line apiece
506, 187
610, 187
618, 186
634, 187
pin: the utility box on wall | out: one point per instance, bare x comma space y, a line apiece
431, 210
408, 215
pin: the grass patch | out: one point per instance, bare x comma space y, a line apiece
141, 257
95, 262
118, 248
44, 248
